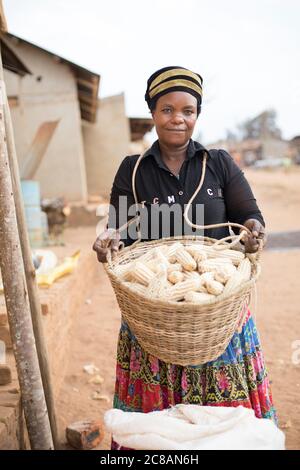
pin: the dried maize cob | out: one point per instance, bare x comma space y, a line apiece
123, 271
207, 276
197, 252
173, 248
158, 286
192, 275
214, 287
200, 280
212, 264
235, 256
178, 291
146, 256
198, 297
162, 269
201, 256
223, 273
174, 267
245, 269
175, 277
185, 259
235, 280
141, 273
136, 287
158, 255
152, 264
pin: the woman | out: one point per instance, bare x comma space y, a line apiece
169, 174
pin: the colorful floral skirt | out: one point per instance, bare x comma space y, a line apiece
238, 377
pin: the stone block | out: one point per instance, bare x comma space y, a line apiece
85, 434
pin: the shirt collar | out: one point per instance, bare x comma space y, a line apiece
193, 149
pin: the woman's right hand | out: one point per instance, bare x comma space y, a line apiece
109, 240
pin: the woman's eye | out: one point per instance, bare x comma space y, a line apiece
188, 112
166, 110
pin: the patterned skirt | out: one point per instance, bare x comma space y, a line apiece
238, 377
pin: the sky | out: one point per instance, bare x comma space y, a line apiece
248, 52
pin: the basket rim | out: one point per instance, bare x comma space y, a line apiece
159, 302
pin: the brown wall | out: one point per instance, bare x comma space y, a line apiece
106, 143
50, 98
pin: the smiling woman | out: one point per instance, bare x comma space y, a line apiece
168, 174
175, 116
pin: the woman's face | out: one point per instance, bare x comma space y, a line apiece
175, 116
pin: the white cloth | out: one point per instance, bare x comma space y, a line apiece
193, 427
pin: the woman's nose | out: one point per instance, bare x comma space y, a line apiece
177, 118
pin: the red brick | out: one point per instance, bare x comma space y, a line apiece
3, 318
9, 399
5, 374
5, 336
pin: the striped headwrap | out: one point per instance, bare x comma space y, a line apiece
174, 78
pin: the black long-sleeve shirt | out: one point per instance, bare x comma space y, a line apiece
225, 194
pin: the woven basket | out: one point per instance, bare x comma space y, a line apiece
180, 332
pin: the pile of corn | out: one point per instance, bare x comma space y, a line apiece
191, 273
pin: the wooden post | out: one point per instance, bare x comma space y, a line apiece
17, 304
33, 293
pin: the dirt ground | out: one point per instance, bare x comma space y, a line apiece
277, 314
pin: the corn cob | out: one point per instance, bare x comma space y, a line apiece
175, 277
197, 253
146, 256
192, 275
223, 273
235, 280
178, 291
170, 254
214, 287
212, 264
206, 277
123, 271
185, 259
158, 255
201, 256
173, 248
162, 270
152, 264
141, 273
235, 256
174, 267
198, 297
158, 286
245, 269
200, 280
136, 287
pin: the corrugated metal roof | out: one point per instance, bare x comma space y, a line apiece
139, 127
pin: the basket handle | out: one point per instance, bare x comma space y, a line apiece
136, 220
219, 244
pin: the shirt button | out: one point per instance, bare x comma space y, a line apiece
180, 193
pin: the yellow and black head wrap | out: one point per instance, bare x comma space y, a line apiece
174, 78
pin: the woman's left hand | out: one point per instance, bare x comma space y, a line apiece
257, 230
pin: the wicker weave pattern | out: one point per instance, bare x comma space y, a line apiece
179, 332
